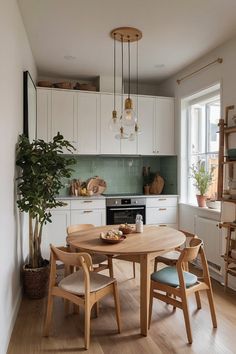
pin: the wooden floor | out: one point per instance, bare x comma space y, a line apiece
167, 333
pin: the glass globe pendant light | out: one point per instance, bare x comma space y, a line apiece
127, 123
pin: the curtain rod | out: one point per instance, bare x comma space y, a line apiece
218, 60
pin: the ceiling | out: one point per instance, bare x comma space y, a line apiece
70, 38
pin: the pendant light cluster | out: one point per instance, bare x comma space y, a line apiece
126, 125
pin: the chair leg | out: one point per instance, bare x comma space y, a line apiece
66, 307
117, 306
150, 306
48, 316
110, 266
134, 272
76, 309
186, 319
212, 307
198, 300
87, 315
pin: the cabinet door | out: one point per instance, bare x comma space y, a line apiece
64, 118
164, 141
55, 232
44, 114
109, 144
146, 116
88, 123
96, 217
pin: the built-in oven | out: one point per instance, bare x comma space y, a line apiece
124, 210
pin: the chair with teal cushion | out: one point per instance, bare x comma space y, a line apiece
169, 276
173, 285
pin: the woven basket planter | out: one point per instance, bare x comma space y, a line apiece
35, 281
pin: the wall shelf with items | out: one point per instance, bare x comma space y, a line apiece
227, 160
230, 251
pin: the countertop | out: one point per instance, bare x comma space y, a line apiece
118, 196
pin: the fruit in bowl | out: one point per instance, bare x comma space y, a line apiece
112, 236
126, 228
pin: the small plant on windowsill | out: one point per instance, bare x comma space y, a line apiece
202, 181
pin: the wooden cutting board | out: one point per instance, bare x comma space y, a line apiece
96, 185
157, 185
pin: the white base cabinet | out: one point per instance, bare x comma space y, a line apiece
162, 211
80, 211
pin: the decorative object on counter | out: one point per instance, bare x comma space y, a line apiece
127, 124
96, 185
202, 181
63, 85
146, 189
93, 186
139, 223
157, 185
43, 168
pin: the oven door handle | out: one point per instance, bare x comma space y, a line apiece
127, 208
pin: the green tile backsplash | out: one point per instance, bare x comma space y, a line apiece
124, 174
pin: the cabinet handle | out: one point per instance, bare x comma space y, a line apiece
157, 151
162, 225
161, 199
162, 209
154, 151
87, 201
87, 211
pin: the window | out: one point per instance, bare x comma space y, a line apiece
203, 114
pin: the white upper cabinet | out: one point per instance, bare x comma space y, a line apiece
88, 123
44, 114
64, 115
109, 144
146, 120
164, 137
83, 119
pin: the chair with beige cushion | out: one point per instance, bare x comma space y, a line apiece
83, 287
97, 259
176, 282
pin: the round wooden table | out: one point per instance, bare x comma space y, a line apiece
141, 248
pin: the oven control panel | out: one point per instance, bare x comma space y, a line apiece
125, 201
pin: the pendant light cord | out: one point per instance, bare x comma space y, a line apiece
114, 71
129, 66
122, 71
137, 78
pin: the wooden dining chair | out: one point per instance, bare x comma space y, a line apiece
176, 282
97, 259
171, 258
83, 287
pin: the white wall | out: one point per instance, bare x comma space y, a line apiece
224, 73
15, 57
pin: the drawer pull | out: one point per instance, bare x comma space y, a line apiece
87, 201
162, 209
161, 199
162, 225
87, 211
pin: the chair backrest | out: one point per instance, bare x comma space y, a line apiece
81, 259
78, 227
190, 253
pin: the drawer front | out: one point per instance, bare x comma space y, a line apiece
97, 217
161, 201
161, 215
88, 204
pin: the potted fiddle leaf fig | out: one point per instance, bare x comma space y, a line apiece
43, 167
202, 181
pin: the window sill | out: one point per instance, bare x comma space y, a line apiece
205, 209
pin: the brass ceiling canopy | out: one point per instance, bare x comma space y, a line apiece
130, 34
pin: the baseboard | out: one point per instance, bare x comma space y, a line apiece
7, 337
